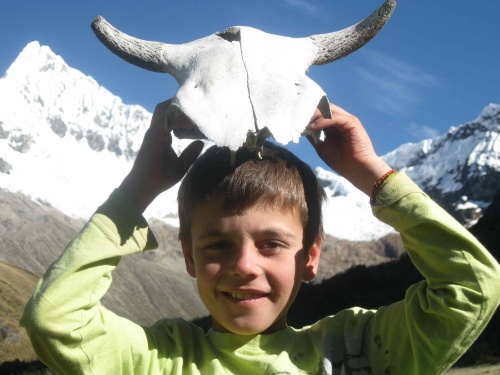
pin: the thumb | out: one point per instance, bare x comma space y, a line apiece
189, 156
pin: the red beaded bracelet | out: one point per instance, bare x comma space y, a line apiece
378, 185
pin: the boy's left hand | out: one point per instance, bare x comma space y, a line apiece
157, 166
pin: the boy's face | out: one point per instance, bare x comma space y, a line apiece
249, 265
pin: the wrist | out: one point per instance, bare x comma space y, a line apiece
377, 186
137, 193
365, 176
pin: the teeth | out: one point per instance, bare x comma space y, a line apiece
244, 296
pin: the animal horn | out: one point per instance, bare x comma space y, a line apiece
338, 44
142, 53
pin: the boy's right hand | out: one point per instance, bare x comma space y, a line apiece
157, 166
347, 148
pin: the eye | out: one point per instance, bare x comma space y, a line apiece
218, 246
272, 244
269, 247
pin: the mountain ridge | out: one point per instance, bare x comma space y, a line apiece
66, 140
460, 169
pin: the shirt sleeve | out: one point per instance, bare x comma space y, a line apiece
441, 316
69, 328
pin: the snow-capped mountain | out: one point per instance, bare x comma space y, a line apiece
66, 140
460, 169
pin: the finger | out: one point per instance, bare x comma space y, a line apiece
340, 122
319, 147
157, 133
159, 113
182, 121
163, 106
189, 156
335, 109
157, 130
317, 114
312, 141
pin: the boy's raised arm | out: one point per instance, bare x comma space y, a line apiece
157, 167
69, 329
441, 316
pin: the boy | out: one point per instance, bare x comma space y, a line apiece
250, 232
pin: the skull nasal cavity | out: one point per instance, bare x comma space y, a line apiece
231, 35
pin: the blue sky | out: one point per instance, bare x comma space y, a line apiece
434, 65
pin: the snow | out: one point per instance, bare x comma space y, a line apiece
70, 142
441, 163
39, 88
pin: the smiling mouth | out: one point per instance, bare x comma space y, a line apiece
244, 296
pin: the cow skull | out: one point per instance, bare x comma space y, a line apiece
241, 85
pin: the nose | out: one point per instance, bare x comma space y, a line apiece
246, 262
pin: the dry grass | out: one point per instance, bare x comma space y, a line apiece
16, 286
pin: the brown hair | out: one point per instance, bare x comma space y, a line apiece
242, 179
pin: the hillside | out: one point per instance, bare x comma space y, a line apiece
33, 234
15, 285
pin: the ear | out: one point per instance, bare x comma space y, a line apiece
188, 256
311, 268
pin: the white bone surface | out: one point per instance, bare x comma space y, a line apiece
242, 85
229, 88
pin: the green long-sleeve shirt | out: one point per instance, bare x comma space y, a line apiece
423, 334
